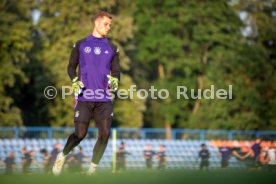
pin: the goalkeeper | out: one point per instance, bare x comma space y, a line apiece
99, 69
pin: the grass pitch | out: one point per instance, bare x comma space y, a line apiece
144, 177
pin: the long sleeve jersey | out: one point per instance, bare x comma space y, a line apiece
96, 58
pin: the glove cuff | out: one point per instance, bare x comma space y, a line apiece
75, 79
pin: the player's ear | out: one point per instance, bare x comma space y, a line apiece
97, 21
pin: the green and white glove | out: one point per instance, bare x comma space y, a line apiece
113, 83
77, 86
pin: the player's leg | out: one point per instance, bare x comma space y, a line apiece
201, 165
103, 117
76, 137
81, 121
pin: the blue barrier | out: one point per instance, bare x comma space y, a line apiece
137, 133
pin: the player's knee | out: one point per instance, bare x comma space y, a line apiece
80, 135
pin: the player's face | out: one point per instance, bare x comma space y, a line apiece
102, 25
258, 141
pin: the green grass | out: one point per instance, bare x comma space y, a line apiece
143, 177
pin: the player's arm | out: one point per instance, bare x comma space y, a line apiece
24, 160
248, 154
208, 156
199, 156
115, 64
236, 154
114, 78
73, 61
145, 155
72, 67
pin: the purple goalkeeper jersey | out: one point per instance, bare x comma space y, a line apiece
96, 58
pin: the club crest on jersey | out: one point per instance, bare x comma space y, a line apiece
87, 50
97, 50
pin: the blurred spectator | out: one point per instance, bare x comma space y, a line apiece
54, 154
161, 156
26, 160
251, 156
71, 162
74, 161
225, 153
204, 156
46, 160
79, 159
244, 154
271, 157
121, 157
263, 157
256, 148
10, 163
148, 155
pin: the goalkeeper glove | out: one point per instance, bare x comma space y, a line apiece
77, 86
113, 83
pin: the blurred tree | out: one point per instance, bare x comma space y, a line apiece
259, 17
198, 44
166, 44
15, 20
214, 41
159, 51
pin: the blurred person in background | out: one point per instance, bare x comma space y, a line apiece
121, 157
161, 156
25, 160
245, 155
256, 148
71, 162
54, 153
10, 163
203, 156
148, 155
79, 159
46, 160
28, 161
271, 157
225, 154
250, 155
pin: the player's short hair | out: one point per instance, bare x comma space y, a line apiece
101, 14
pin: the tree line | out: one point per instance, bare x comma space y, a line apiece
169, 43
